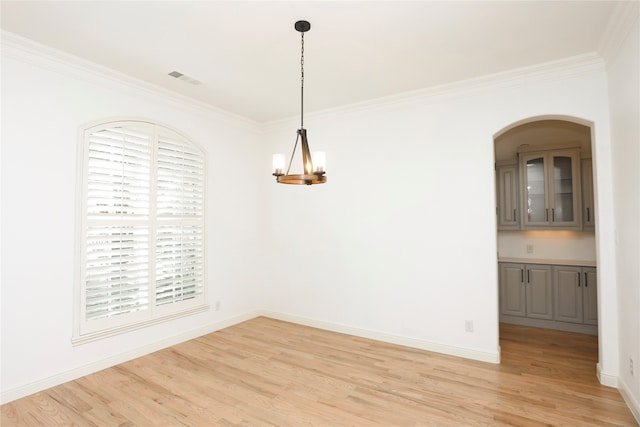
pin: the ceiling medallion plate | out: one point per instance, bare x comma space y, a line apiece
302, 26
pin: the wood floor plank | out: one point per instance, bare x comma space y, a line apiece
266, 372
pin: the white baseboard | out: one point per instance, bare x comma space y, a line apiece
490, 357
7, 396
390, 338
630, 399
606, 379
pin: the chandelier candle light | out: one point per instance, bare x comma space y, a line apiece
313, 167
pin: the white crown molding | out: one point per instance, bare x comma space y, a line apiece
565, 68
25, 50
33, 53
624, 16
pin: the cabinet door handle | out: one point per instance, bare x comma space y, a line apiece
586, 281
514, 214
588, 215
521, 275
553, 215
528, 276
546, 214
578, 279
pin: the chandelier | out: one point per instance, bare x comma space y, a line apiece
313, 167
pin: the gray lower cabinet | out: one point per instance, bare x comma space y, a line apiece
512, 296
525, 290
590, 296
550, 296
575, 294
538, 291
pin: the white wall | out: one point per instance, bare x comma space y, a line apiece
402, 239
44, 102
548, 244
624, 92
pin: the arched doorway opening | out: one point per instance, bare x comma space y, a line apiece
546, 224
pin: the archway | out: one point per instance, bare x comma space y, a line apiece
553, 245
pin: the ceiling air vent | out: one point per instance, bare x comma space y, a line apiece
185, 78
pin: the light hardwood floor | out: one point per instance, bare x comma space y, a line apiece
266, 372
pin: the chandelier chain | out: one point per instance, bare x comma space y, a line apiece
302, 81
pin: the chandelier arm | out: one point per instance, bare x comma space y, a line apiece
293, 152
306, 154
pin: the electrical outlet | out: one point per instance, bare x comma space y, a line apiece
468, 325
631, 366
529, 249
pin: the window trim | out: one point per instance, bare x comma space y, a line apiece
154, 315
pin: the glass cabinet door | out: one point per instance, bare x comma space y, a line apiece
535, 189
562, 209
550, 184
565, 188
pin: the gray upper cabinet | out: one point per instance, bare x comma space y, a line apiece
507, 195
588, 212
550, 189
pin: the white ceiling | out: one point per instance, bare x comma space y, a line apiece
247, 54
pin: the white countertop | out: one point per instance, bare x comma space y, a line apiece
579, 263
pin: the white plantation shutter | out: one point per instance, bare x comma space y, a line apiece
117, 271
180, 180
142, 244
180, 233
118, 173
179, 267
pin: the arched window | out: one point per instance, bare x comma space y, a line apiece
141, 227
